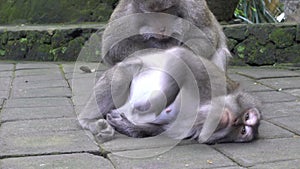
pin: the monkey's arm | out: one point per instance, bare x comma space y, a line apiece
116, 51
124, 126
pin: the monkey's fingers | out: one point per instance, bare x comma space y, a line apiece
123, 116
113, 121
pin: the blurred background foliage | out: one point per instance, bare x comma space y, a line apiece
82, 11
260, 11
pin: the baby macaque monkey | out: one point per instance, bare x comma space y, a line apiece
172, 92
147, 30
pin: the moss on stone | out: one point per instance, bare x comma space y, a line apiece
231, 43
238, 34
254, 53
59, 38
289, 55
4, 38
73, 49
54, 11
298, 33
40, 52
283, 37
2, 52
15, 50
66, 44
261, 32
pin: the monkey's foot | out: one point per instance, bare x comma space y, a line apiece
103, 131
123, 125
119, 121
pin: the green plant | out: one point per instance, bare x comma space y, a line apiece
254, 11
2, 52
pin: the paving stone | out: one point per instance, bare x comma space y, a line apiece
75, 68
270, 131
43, 92
262, 151
273, 110
69, 68
274, 96
282, 83
252, 86
39, 78
80, 100
1, 103
123, 143
4, 94
262, 73
31, 72
237, 167
291, 123
82, 86
93, 76
36, 66
37, 102
41, 127
6, 74
71, 76
27, 84
78, 109
30, 127
237, 77
46, 143
290, 164
295, 92
15, 114
6, 67
72, 161
5, 83
190, 156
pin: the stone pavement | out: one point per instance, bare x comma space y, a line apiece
39, 102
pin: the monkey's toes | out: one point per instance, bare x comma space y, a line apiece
106, 132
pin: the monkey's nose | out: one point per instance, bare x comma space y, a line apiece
237, 122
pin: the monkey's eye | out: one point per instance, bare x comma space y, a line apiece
245, 135
247, 117
243, 131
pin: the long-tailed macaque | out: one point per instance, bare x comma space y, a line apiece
172, 92
149, 30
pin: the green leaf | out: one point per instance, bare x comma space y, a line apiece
2, 52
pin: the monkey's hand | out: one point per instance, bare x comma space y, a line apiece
121, 123
124, 126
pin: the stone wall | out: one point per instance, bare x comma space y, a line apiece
79, 11
54, 11
263, 44
44, 43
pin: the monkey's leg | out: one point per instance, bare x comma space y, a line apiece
124, 126
101, 102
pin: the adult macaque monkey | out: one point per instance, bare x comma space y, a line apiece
153, 31
172, 92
